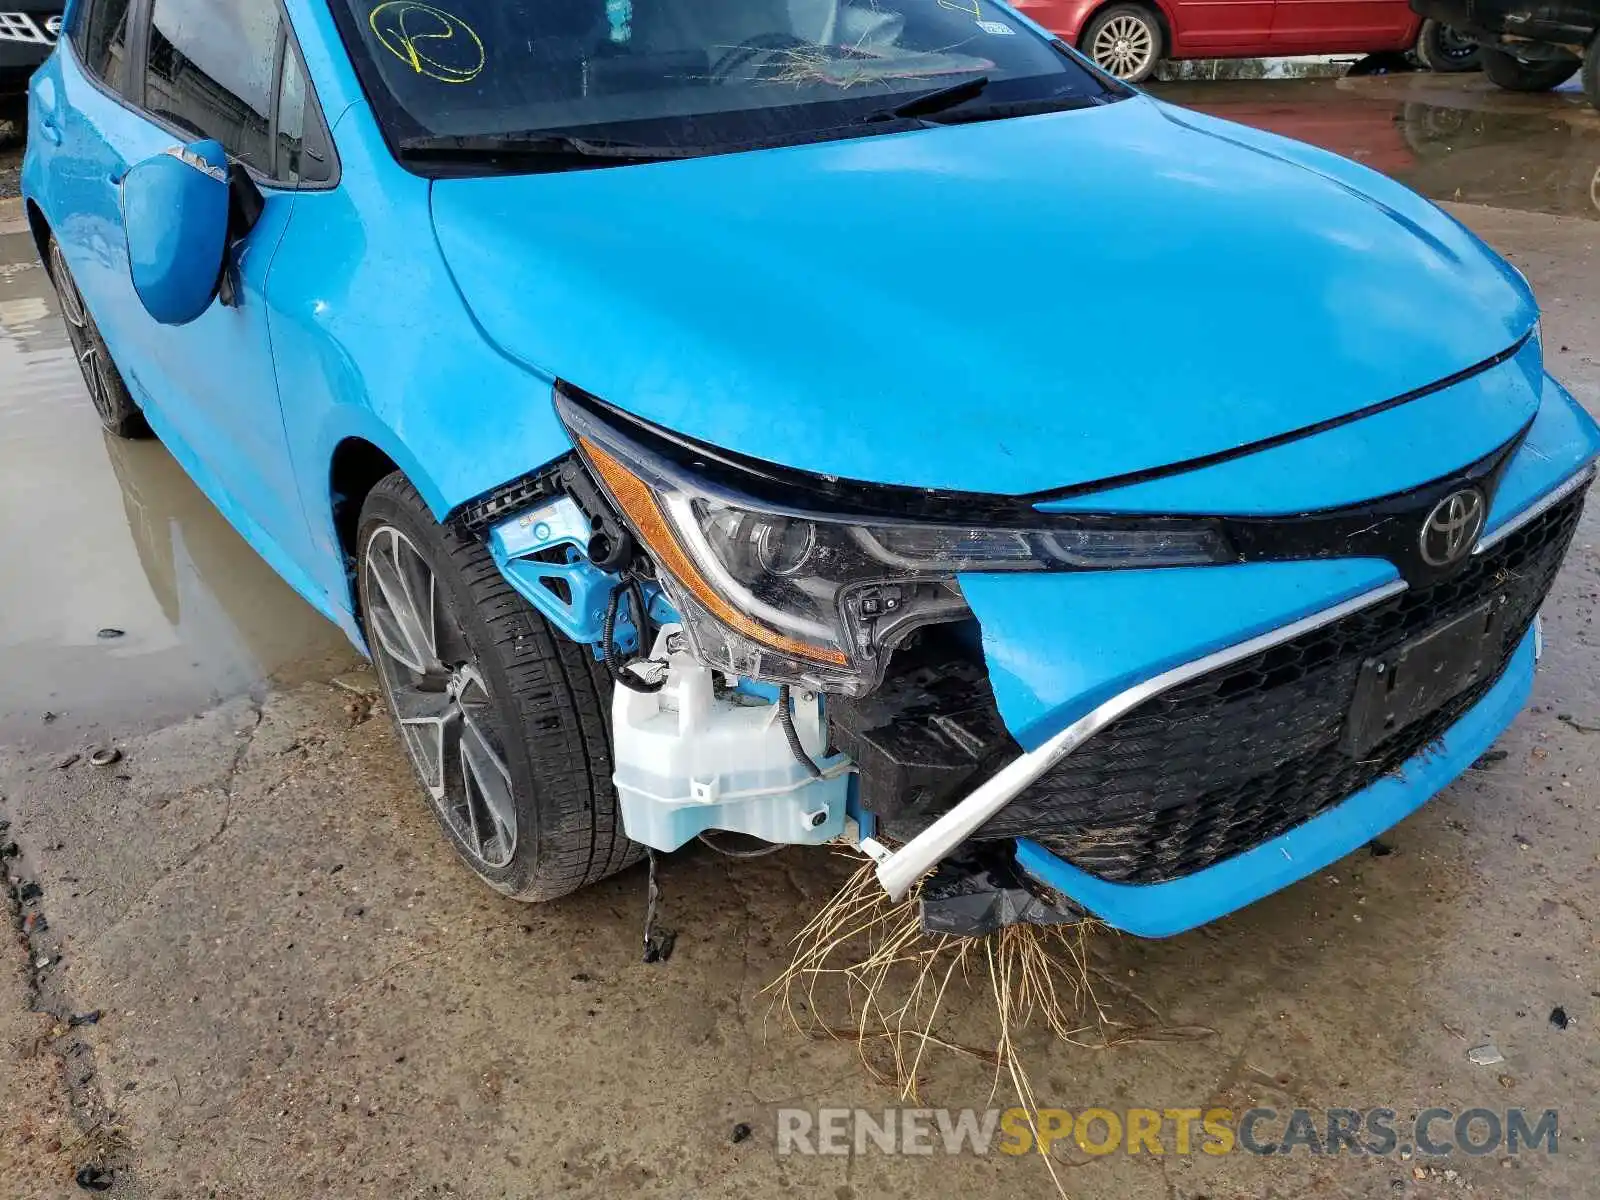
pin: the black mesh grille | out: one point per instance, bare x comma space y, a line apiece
1227, 761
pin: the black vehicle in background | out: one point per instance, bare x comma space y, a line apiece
1528, 45
28, 30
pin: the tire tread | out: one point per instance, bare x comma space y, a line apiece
127, 420
1507, 71
559, 703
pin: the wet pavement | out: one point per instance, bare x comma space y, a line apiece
109, 534
300, 995
1450, 137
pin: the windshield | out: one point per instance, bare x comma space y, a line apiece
697, 74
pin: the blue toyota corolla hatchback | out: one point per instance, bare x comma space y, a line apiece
725, 419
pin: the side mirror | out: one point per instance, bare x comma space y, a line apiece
175, 214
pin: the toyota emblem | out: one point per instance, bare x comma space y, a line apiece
1452, 528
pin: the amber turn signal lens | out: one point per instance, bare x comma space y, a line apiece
639, 504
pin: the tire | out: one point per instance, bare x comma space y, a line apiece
1440, 48
1518, 75
531, 733
113, 403
1126, 41
1591, 76
1431, 131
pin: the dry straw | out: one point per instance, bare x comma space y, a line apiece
864, 972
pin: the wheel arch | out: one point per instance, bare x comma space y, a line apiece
1157, 7
39, 227
357, 463
355, 468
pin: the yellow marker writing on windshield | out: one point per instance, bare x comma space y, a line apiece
433, 42
963, 6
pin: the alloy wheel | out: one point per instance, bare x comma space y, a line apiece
71, 302
1124, 46
440, 700
86, 346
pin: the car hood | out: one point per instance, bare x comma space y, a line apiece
1008, 306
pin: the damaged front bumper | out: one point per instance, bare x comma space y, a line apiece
1163, 909
1155, 747
1229, 762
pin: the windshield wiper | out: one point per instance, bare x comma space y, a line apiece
1001, 110
940, 104
551, 147
935, 101
555, 150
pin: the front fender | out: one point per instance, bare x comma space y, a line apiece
1064, 19
372, 341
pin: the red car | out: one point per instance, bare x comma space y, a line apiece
1129, 37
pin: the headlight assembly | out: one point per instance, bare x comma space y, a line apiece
779, 576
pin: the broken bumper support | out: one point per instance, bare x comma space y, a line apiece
982, 890
899, 870
1157, 910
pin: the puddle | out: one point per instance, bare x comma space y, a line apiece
1449, 141
102, 533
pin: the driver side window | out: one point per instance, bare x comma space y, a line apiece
229, 70
302, 152
211, 69
100, 36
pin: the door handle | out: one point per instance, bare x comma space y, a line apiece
49, 130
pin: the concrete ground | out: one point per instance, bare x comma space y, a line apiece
13, 119
293, 991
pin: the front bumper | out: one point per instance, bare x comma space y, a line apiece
1163, 909
1242, 752
1200, 723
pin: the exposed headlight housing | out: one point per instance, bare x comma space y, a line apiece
809, 580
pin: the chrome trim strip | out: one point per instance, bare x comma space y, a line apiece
899, 871
1549, 499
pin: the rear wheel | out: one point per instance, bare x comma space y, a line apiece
113, 403
506, 723
1591, 76
1125, 41
1523, 75
1441, 48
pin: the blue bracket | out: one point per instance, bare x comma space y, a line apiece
543, 553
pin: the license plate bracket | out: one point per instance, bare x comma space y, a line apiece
1419, 677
